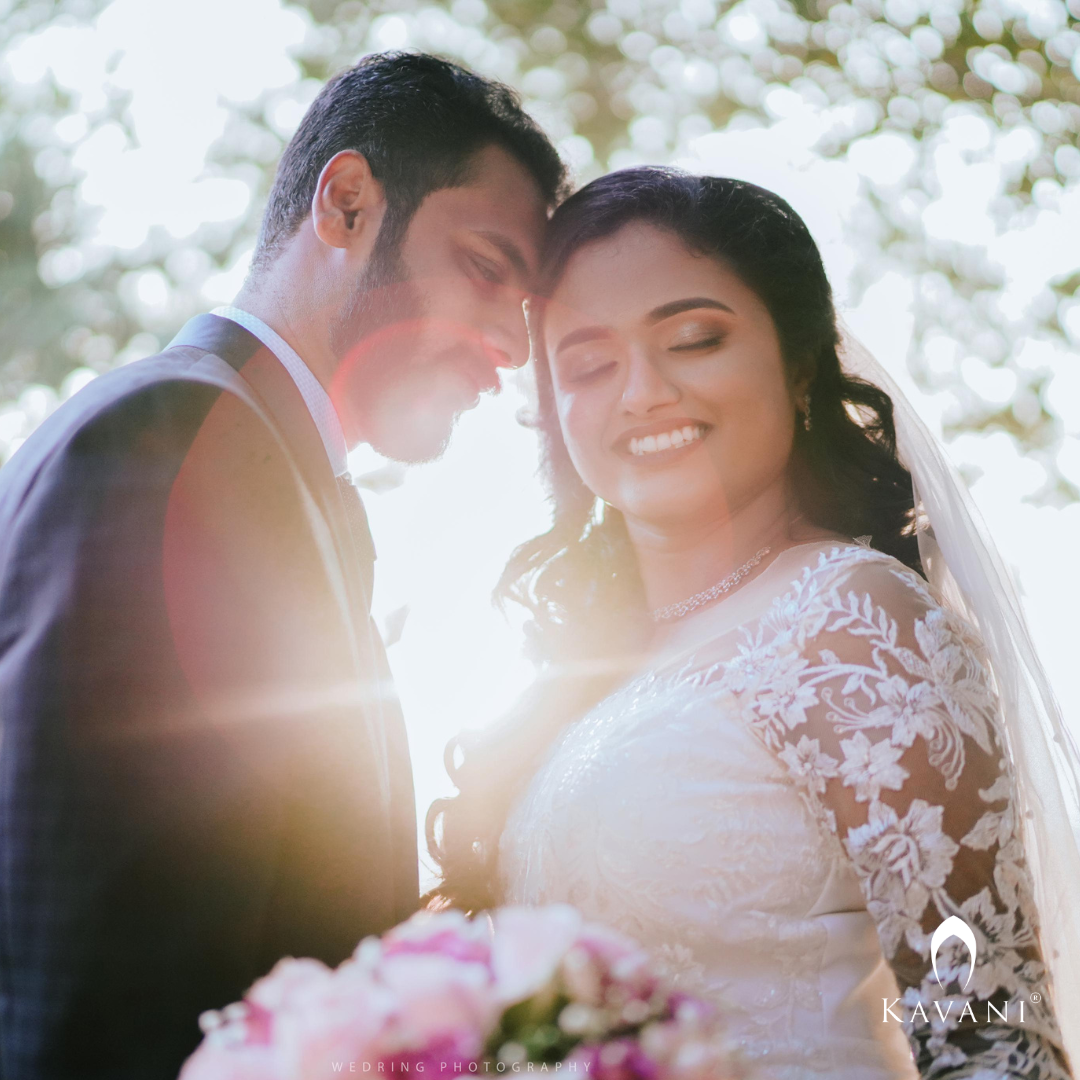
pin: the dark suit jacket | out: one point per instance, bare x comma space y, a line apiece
202, 764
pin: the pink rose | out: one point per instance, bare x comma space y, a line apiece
528, 947
237, 1063
289, 981
242, 1041
448, 933
437, 999
344, 1019
606, 968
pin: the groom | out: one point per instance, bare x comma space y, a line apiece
203, 767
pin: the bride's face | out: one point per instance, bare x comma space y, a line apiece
669, 381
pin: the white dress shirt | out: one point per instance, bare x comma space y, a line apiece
311, 390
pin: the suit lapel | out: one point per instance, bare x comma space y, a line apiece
274, 387
343, 510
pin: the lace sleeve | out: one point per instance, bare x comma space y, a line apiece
882, 708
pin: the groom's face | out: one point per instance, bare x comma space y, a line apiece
431, 323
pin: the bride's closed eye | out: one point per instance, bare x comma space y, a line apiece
695, 337
712, 342
588, 366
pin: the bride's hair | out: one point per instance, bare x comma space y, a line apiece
579, 580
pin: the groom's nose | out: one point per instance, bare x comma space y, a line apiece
508, 335
505, 360
513, 361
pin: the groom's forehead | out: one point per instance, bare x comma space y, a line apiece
500, 201
500, 179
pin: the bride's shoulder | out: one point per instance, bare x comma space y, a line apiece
853, 588
855, 564
853, 577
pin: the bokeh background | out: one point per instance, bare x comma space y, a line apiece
930, 144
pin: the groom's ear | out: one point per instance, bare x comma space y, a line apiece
349, 203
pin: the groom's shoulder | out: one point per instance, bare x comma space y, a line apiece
161, 392
145, 418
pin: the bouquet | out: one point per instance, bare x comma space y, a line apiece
516, 990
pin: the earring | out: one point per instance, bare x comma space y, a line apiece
806, 413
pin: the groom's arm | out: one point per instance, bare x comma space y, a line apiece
183, 766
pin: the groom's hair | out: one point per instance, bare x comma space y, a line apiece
418, 120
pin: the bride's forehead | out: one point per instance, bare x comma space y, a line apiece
635, 241
614, 282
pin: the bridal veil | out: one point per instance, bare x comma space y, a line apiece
966, 571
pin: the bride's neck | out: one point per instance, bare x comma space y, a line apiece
679, 559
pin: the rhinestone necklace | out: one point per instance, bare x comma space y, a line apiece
692, 603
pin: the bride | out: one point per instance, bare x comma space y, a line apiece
762, 742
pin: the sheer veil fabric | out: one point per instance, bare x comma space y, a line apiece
966, 572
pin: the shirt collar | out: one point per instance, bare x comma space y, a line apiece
311, 390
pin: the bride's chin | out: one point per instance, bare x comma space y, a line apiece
665, 512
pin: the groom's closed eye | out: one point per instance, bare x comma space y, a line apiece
484, 264
488, 270
505, 253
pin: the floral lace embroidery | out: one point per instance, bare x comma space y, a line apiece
878, 710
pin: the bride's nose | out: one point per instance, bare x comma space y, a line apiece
646, 387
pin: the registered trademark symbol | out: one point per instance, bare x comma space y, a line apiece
1036, 997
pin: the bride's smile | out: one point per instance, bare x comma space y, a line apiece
664, 437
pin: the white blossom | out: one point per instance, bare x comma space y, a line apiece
868, 767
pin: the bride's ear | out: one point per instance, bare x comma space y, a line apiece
800, 382
349, 204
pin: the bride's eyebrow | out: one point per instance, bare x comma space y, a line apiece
585, 333
677, 307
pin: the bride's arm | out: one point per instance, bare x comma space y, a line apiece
890, 728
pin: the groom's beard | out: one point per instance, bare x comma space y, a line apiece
383, 295
404, 376
361, 333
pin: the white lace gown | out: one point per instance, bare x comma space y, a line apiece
804, 783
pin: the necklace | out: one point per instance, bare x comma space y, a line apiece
692, 603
